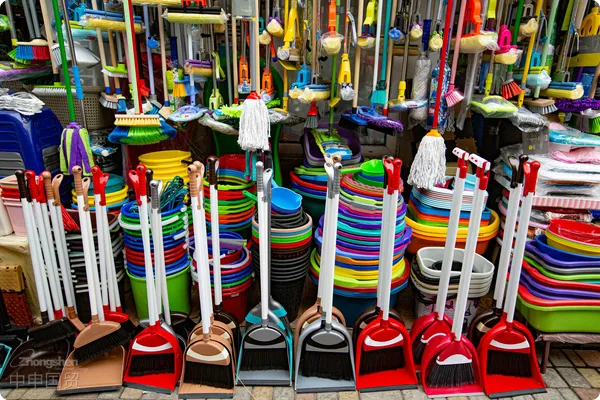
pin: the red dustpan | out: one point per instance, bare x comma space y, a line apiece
384, 358
450, 366
508, 360
438, 323
154, 361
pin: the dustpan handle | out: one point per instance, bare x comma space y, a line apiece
470, 247
213, 166
330, 262
457, 198
531, 172
326, 246
98, 189
263, 234
390, 207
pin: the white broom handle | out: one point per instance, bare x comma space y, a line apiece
377, 42
385, 272
62, 258
383, 249
457, 198
101, 250
234, 55
113, 294
152, 312
517, 261
156, 252
325, 248
54, 269
330, 262
263, 234
94, 284
149, 53
216, 245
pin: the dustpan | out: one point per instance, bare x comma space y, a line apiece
265, 353
154, 359
209, 351
384, 359
450, 366
325, 361
96, 372
485, 321
437, 323
510, 340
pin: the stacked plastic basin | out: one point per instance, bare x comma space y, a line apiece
310, 179
429, 211
559, 289
235, 208
357, 244
177, 260
236, 272
77, 262
167, 164
12, 202
291, 243
116, 193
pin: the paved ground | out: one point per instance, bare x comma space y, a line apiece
571, 375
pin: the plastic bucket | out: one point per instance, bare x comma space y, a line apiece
15, 214
178, 286
289, 294
235, 299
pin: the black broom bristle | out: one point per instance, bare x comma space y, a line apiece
328, 365
264, 359
101, 346
147, 364
129, 327
508, 363
386, 359
418, 348
52, 332
219, 376
454, 375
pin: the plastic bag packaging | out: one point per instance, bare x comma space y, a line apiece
529, 28
416, 32
507, 58
264, 38
347, 92
528, 121
580, 155
436, 41
275, 28
419, 90
541, 80
222, 127
584, 216
366, 41
4, 24
332, 42
396, 35
472, 44
493, 107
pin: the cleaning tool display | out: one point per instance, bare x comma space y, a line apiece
507, 351
326, 357
347, 91
266, 351
385, 335
154, 358
331, 41
437, 323
98, 358
449, 365
486, 321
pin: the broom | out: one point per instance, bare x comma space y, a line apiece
454, 96
510, 88
429, 166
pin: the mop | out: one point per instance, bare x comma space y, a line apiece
507, 351
384, 357
482, 323
449, 365
326, 361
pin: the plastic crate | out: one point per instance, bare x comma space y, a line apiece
97, 116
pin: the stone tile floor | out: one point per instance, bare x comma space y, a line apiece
571, 375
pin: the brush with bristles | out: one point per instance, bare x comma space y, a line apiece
120, 71
34, 50
85, 58
312, 117
541, 106
58, 89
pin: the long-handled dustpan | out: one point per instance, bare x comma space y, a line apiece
450, 366
154, 360
438, 323
486, 321
265, 353
98, 359
384, 359
509, 364
208, 369
325, 359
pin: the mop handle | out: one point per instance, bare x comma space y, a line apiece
515, 34
521, 98
163, 56
101, 51
516, 186
459, 29
149, 53
334, 194
11, 21
159, 253
325, 245
457, 199
377, 42
531, 173
263, 233
443, 55
390, 57
63, 59
427, 27
355, 85
386, 37
235, 57
483, 168
546, 48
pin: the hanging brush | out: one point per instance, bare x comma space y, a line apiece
454, 96
510, 88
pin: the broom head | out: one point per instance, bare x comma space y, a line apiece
137, 120
510, 89
423, 330
98, 339
509, 364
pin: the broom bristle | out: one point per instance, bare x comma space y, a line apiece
41, 53
418, 348
129, 328
311, 122
453, 375
219, 376
510, 89
508, 363
454, 97
101, 346
148, 364
378, 97
327, 365
52, 333
386, 359
264, 359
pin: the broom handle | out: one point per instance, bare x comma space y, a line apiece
110, 265
359, 21
228, 63
256, 67
28, 19
377, 42
517, 260
63, 59
149, 54
133, 61
113, 58
538, 8
101, 51
384, 249
515, 34
163, 56
443, 55
213, 166
263, 247
390, 202
546, 48
459, 29
388, 16
330, 262
48, 29
11, 21
235, 57
390, 58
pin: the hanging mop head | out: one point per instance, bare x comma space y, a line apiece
255, 129
198, 67
34, 50
345, 79
428, 168
275, 26
331, 42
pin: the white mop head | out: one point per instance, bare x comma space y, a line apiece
255, 128
429, 166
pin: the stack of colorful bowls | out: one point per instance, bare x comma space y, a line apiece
116, 193
357, 253
236, 272
167, 164
429, 211
12, 202
291, 242
559, 289
77, 262
177, 260
235, 208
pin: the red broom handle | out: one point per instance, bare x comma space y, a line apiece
438, 94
